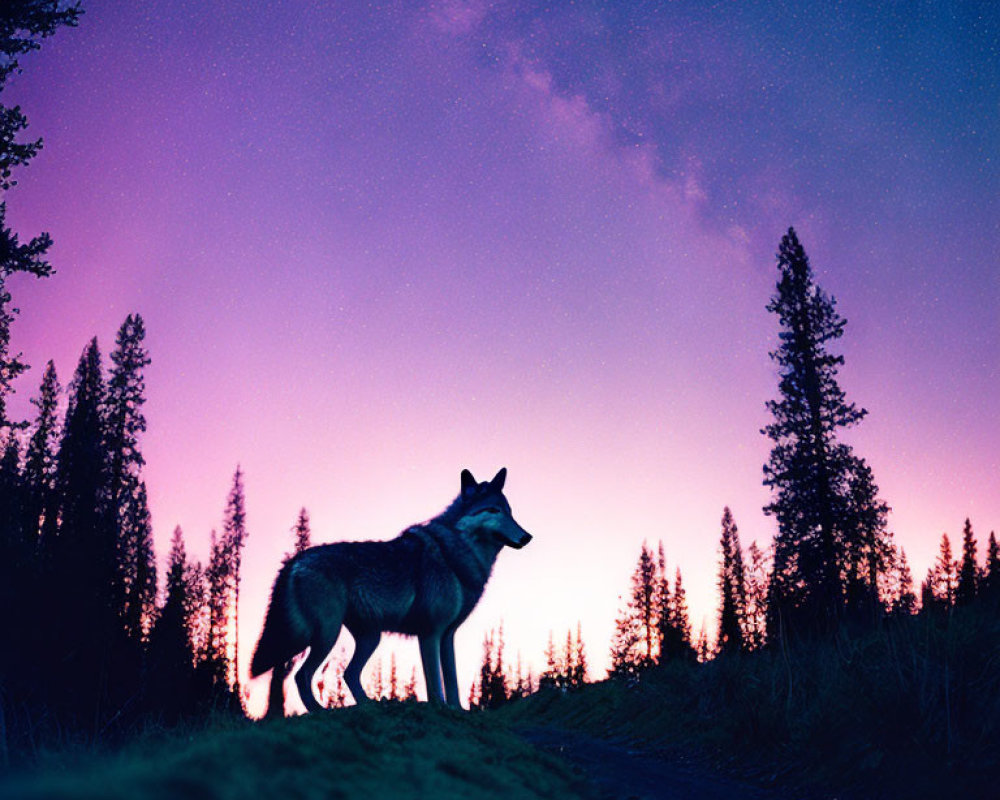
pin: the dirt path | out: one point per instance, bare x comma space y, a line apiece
624, 772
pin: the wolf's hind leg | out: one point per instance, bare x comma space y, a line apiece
448, 671
364, 646
276, 695
430, 657
319, 649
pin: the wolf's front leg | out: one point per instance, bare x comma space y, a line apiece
430, 657
448, 670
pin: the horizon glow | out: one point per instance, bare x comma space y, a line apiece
376, 245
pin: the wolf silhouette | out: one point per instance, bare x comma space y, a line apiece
423, 583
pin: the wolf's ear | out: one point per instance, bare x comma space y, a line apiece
498, 480
468, 482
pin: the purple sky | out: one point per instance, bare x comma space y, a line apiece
374, 245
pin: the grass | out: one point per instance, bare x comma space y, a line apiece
373, 751
910, 710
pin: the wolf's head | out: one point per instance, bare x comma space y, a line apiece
486, 512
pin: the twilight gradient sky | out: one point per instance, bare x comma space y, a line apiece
377, 243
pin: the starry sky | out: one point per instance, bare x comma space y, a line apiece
375, 243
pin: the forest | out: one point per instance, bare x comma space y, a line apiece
825, 644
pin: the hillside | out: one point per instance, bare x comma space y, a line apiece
380, 750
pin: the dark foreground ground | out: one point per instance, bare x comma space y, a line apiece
621, 769
388, 750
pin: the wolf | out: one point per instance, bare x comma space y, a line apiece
423, 583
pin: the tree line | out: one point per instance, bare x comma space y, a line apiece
98, 645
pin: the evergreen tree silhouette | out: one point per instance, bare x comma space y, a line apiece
991, 570
81, 613
755, 593
40, 460
578, 676
808, 469
645, 607
868, 549
493, 690
944, 576
16, 561
234, 533
23, 24
301, 533
906, 601
125, 423
703, 647
170, 647
223, 583
968, 572
677, 629
410, 691
732, 587
636, 641
550, 677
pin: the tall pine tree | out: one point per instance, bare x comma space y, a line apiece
171, 656
732, 587
125, 423
968, 571
40, 460
81, 611
809, 469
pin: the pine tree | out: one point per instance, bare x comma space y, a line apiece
376, 687
636, 642
171, 657
234, 535
223, 583
125, 423
568, 662
216, 660
140, 600
869, 554
23, 25
906, 601
17, 562
40, 460
991, 571
80, 611
492, 690
679, 645
645, 607
393, 678
808, 469
410, 692
302, 536
703, 647
928, 601
944, 578
968, 573
579, 674
756, 592
731, 588
550, 677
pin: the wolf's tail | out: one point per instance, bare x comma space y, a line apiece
285, 631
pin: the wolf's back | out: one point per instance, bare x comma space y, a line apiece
285, 631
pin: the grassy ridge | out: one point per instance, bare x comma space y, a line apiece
379, 750
910, 710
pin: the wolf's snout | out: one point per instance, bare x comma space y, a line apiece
524, 540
